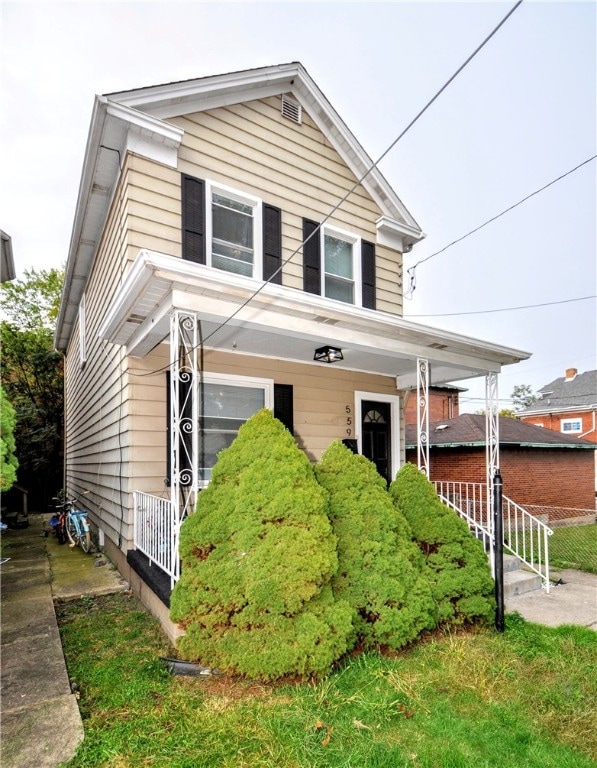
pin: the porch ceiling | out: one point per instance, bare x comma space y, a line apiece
286, 324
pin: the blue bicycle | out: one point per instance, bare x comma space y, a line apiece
77, 526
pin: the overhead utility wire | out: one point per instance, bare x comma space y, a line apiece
507, 309
369, 170
411, 270
357, 183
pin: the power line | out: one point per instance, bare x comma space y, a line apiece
507, 309
357, 183
411, 270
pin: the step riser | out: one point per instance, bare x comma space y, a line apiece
518, 582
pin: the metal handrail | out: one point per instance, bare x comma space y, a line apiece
153, 523
525, 536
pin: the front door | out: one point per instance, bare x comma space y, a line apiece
376, 435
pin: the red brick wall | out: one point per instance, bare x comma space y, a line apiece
547, 477
443, 404
552, 421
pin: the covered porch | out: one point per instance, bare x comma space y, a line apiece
194, 308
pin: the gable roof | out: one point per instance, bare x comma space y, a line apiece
138, 119
573, 393
468, 430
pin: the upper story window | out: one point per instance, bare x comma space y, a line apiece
571, 426
230, 230
339, 265
235, 232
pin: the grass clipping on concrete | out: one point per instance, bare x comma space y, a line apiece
459, 698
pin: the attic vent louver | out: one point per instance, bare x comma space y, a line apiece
291, 109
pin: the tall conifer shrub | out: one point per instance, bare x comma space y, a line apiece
380, 569
257, 558
458, 566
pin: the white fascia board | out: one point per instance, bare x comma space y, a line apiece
396, 234
148, 136
174, 99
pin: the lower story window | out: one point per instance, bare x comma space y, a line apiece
225, 404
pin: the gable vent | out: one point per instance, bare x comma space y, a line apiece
292, 109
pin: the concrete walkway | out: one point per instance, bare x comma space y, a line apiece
40, 721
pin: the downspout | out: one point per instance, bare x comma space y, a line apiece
588, 432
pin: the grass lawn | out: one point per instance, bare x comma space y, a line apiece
574, 547
523, 699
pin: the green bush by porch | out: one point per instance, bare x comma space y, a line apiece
380, 569
257, 559
457, 565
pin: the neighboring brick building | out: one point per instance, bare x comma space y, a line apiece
568, 405
443, 403
549, 473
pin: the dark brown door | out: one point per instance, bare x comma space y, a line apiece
375, 430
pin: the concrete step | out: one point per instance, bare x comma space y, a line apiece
511, 563
518, 582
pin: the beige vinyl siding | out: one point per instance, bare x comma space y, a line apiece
252, 148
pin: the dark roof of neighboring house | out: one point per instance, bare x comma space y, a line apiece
566, 394
468, 429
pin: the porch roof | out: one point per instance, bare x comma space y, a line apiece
247, 317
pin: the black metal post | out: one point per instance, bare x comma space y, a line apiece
498, 551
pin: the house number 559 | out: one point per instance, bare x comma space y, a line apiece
349, 421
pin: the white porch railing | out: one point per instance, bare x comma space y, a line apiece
154, 531
525, 536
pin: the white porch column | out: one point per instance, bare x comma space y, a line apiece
184, 422
423, 415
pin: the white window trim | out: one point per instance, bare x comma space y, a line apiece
578, 421
394, 401
211, 188
355, 240
82, 333
238, 381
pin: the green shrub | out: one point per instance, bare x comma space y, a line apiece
379, 567
257, 558
458, 567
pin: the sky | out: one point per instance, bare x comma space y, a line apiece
522, 113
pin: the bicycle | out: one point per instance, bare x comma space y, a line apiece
77, 526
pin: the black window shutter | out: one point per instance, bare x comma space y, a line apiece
193, 219
272, 243
283, 405
368, 274
311, 258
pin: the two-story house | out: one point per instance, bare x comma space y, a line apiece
233, 248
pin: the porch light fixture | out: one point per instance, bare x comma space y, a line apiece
328, 354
